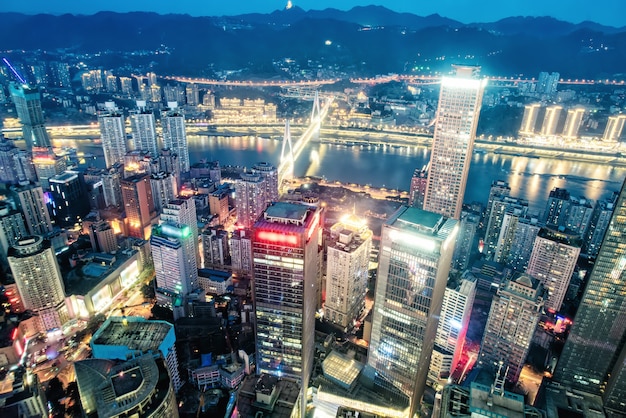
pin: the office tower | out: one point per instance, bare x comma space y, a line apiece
138, 205
285, 291
547, 83
249, 198
418, 187
218, 204
572, 122
193, 94
614, 128
143, 128
215, 248
175, 137
112, 186
593, 356
29, 199
516, 240
456, 310
557, 206
175, 263
47, 165
501, 205
348, 254
241, 251
551, 120
11, 171
552, 262
113, 134
600, 218
579, 212
103, 385
269, 173
38, 278
466, 243
460, 99
513, 317
414, 261
529, 121
121, 338
28, 106
164, 189
70, 202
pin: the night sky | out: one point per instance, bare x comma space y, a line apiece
607, 12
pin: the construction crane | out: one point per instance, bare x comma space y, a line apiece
14, 71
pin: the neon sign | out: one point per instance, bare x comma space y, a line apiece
277, 237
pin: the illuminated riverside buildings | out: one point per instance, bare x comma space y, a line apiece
414, 261
143, 128
39, 282
175, 137
113, 134
552, 262
551, 120
285, 245
28, 106
512, 320
594, 356
460, 100
572, 122
614, 128
250, 198
529, 120
347, 264
138, 205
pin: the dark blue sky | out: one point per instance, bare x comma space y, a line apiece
607, 12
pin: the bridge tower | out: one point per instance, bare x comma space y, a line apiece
316, 115
287, 158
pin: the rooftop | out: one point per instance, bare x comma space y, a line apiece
134, 333
288, 211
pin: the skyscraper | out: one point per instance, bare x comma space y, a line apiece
143, 128
529, 120
513, 317
460, 100
614, 128
593, 356
163, 189
285, 246
414, 261
551, 120
29, 199
70, 203
347, 264
38, 278
250, 198
182, 211
269, 173
138, 204
572, 122
552, 262
555, 214
28, 106
418, 187
175, 137
599, 222
113, 134
467, 240
47, 165
501, 205
11, 171
516, 240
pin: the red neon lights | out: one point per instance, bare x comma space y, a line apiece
13, 334
277, 237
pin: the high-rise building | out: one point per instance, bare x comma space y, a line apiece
138, 205
467, 240
143, 128
175, 137
593, 356
614, 128
513, 317
47, 165
11, 171
126, 85
600, 218
269, 173
38, 278
250, 198
112, 186
29, 199
552, 262
348, 254
516, 240
286, 244
555, 214
182, 210
113, 134
572, 122
215, 248
547, 83
28, 106
12, 229
551, 120
579, 212
218, 204
418, 187
460, 99
529, 121
193, 94
24, 395
70, 202
175, 262
456, 310
501, 205
414, 262
241, 251
163, 189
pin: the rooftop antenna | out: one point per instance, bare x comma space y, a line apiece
14, 71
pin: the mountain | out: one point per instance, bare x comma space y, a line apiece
364, 41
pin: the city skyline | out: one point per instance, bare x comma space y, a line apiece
465, 11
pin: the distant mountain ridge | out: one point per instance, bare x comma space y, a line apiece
393, 42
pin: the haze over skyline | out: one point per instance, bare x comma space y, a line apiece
606, 12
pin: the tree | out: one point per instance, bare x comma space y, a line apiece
54, 394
